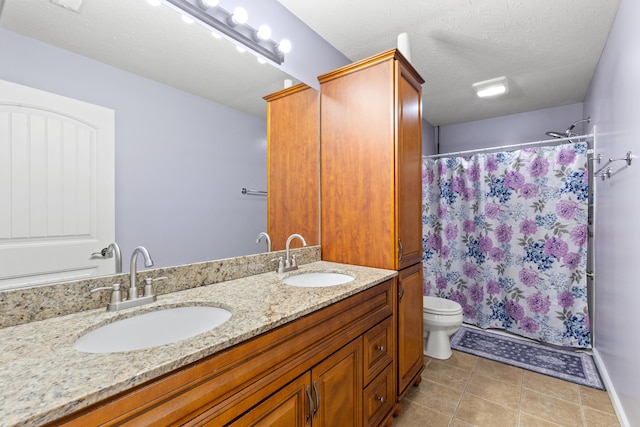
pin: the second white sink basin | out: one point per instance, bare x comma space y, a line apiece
317, 280
152, 329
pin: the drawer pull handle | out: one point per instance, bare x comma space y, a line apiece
380, 348
311, 409
315, 388
381, 399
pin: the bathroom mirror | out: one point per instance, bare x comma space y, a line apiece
162, 181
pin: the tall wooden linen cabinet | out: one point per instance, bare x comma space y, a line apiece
371, 185
293, 163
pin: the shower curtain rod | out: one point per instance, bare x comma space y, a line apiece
502, 147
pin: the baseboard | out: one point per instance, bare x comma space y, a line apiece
602, 370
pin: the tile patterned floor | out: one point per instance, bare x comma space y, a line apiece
468, 390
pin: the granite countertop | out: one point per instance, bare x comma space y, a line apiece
44, 378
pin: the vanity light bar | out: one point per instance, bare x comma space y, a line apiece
220, 20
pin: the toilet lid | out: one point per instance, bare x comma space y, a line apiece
441, 305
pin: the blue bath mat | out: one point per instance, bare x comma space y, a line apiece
577, 367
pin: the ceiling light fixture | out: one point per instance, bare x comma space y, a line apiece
232, 25
492, 87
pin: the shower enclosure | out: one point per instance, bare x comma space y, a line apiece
506, 235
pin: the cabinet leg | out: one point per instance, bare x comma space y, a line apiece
397, 410
417, 381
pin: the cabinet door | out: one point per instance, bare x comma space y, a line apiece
409, 171
337, 385
288, 407
410, 338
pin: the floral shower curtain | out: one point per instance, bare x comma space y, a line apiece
505, 235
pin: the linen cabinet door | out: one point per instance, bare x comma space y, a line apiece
410, 327
409, 171
337, 386
289, 407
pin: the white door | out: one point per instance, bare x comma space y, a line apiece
57, 184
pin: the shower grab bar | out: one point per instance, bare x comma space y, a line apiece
254, 192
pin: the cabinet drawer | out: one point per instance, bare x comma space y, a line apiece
378, 347
378, 398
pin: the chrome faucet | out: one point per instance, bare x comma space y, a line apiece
148, 262
267, 238
109, 251
290, 261
133, 300
115, 249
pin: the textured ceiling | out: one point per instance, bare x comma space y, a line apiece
547, 48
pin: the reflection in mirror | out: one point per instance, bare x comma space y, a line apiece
190, 128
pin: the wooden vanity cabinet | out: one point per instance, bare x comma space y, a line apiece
293, 166
272, 379
371, 185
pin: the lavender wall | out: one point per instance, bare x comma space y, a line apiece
181, 160
612, 103
428, 139
506, 130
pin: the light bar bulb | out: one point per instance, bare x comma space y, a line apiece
284, 46
264, 32
240, 15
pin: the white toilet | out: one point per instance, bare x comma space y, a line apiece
441, 318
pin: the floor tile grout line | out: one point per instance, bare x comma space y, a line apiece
520, 400
464, 391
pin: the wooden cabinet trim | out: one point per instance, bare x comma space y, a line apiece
370, 61
286, 92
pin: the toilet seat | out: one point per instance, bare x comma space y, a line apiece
441, 306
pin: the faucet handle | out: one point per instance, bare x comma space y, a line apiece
116, 296
280, 262
148, 288
293, 261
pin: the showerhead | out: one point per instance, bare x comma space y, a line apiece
555, 134
569, 132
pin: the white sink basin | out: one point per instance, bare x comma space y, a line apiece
317, 280
151, 329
